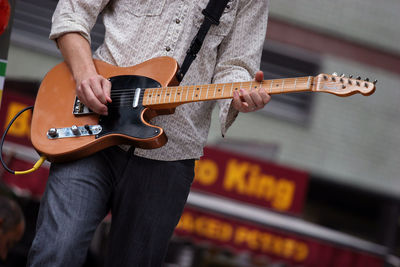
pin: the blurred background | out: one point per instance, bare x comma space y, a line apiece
311, 180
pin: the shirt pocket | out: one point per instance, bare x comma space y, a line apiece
226, 20
143, 8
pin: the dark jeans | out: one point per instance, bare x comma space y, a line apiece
146, 198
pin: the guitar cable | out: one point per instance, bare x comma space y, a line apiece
37, 164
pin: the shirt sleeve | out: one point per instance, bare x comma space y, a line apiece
239, 54
75, 16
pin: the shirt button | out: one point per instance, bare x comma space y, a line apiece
178, 21
168, 48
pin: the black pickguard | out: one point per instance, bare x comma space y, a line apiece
122, 117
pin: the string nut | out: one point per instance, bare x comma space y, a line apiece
375, 81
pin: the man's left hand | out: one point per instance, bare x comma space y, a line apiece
253, 100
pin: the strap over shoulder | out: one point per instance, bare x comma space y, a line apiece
212, 13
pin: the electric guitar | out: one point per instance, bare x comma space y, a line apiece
64, 129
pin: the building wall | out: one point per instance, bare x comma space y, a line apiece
27, 64
369, 22
352, 140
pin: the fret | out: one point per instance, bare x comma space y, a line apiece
176, 91
251, 86
295, 83
223, 89
170, 93
270, 89
154, 95
180, 93
187, 92
308, 82
201, 88
149, 95
208, 88
160, 95
231, 93
215, 90
193, 93
165, 94
283, 86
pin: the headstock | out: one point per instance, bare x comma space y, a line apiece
343, 86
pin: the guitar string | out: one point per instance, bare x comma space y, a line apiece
128, 96
173, 90
215, 85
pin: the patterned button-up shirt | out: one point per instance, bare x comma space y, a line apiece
138, 30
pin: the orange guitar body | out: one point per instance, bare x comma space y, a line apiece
54, 109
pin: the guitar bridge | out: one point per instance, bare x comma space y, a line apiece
73, 131
80, 108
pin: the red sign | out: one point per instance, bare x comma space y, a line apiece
277, 245
250, 180
20, 131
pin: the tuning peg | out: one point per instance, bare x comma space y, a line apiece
366, 85
367, 79
359, 78
350, 76
325, 77
375, 81
342, 75
341, 80
334, 74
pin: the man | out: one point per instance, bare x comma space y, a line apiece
145, 190
12, 225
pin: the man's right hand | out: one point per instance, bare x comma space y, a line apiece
94, 92
91, 88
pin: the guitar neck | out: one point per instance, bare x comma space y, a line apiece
174, 96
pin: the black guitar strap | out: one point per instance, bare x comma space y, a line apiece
212, 13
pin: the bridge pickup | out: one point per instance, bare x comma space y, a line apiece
136, 98
80, 108
73, 131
